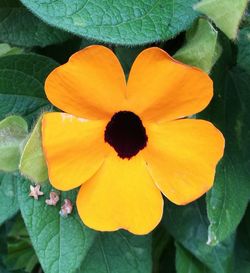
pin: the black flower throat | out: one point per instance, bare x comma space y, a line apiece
126, 134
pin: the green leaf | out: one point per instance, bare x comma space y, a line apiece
121, 22
20, 254
242, 248
127, 55
8, 196
13, 132
61, 243
201, 48
119, 252
162, 243
187, 263
189, 226
6, 49
3, 246
21, 85
18, 26
244, 49
226, 14
228, 199
32, 163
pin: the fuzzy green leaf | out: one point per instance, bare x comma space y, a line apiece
201, 49
226, 14
8, 196
61, 243
18, 26
121, 22
22, 85
32, 163
13, 132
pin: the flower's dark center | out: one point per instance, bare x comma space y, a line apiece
126, 134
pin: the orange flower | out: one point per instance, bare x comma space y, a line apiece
125, 143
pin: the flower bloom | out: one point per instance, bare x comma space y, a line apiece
126, 143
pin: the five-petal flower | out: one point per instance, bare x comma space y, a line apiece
125, 143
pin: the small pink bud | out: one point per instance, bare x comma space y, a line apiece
35, 191
66, 208
54, 198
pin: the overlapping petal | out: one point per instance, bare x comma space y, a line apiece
74, 148
182, 156
121, 195
160, 88
90, 85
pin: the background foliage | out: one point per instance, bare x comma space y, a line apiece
210, 235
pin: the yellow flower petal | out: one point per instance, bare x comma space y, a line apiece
90, 85
160, 88
121, 195
182, 157
74, 148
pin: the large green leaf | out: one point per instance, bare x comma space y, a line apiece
189, 226
229, 197
13, 132
121, 22
61, 243
21, 84
119, 252
18, 26
8, 196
